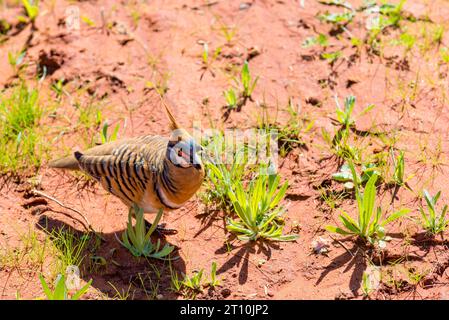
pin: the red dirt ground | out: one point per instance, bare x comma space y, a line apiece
110, 60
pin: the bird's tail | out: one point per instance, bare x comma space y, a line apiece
69, 163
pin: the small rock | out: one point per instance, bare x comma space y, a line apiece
245, 5
226, 292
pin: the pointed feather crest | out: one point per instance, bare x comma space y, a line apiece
173, 123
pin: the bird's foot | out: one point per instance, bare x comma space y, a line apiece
161, 229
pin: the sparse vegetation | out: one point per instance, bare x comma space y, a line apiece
433, 222
370, 224
21, 142
258, 210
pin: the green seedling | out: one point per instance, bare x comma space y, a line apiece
194, 282
345, 175
248, 84
58, 88
444, 54
16, 59
432, 222
138, 242
320, 40
61, 291
231, 98
104, 133
258, 210
340, 19
228, 33
207, 59
31, 8
344, 115
214, 282
331, 57
369, 225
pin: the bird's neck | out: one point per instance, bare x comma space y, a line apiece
180, 184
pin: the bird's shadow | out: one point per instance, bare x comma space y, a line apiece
114, 271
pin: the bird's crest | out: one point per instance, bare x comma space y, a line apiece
171, 118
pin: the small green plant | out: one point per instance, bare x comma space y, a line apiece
257, 207
61, 292
331, 57
231, 98
104, 133
366, 285
344, 115
213, 282
31, 8
194, 282
369, 225
228, 32
345, 175
444, 54
340, 19
58, 88
399, 168
248, 84
432, 222
207, 59
138, 242
320, 40
15, 60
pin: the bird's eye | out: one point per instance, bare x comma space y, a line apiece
179, 152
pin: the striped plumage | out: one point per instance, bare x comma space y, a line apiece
153, 172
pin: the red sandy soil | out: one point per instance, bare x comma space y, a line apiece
112, 63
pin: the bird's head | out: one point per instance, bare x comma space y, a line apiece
182, 149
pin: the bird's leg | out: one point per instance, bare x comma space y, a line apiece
161, 229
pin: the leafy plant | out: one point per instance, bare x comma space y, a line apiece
369, 225
15, 60
444, 55
432, 222
214, 282
399, 168
320, 40
138, 242
331, 56
258, 209
344, 116
345, 175
61, 291
31, 9
58, 88
228, 32
104, 133
337, 18
194, 282
231, 98
247, 82
207, 60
